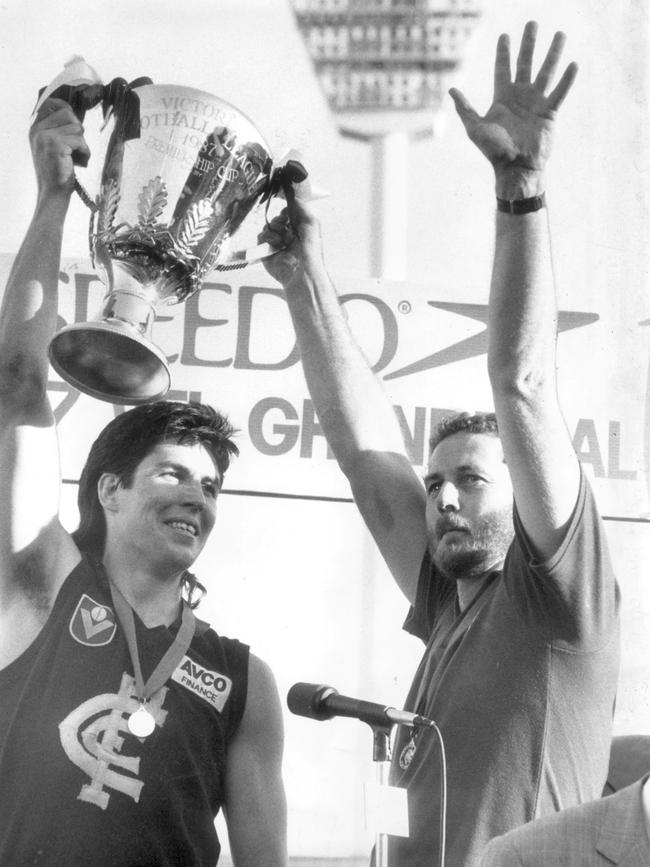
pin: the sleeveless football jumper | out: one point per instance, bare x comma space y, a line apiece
76, 786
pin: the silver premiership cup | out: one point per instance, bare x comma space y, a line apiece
182, 169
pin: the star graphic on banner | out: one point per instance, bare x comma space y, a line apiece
477, 343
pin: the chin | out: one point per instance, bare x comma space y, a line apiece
458, 563
180, 559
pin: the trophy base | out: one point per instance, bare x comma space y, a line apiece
110, 361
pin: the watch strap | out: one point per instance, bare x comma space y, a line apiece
521, 206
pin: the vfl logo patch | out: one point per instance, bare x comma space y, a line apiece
93, 734
208, 685
92, 624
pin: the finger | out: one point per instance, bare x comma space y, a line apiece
269, 236
547, 69
279, 227
80, 152
276, 227
55, 112
279, 222
526, 50
289, 194
463, 108
64, 130
280, 219
294, 209
52, 103
502, 64
67, 132
63, 120
300, 212
558, 95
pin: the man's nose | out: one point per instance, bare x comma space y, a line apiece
194, 496
447, 500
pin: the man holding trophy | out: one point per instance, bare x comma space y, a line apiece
519, 622
125, 722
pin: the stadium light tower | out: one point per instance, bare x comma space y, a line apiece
384, 67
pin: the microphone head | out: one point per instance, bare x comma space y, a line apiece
307, 699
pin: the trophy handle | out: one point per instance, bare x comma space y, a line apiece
83, 97
280, 184
292, 172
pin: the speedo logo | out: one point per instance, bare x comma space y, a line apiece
208, 685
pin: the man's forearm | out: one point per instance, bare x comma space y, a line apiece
29, 307
352, 407
522, 310
356, 415
521, 361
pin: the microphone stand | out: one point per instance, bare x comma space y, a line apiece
381, 754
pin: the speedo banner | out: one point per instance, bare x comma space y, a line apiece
232, 345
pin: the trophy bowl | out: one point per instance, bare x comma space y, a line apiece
181, 171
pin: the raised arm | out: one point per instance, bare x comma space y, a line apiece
33, 545
353, 409
516, 136
255, 803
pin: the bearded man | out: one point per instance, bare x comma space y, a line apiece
518, 614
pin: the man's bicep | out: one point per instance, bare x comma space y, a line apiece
543, 466
29, 476
36, 483
392, 501
255, 806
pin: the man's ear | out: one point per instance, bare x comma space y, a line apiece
108, 488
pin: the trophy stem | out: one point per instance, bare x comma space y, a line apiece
127, 307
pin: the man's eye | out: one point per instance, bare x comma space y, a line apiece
210, 488
433, 487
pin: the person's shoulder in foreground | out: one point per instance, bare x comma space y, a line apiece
611, 830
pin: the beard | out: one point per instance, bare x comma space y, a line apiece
474, 550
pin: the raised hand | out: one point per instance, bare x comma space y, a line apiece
295, 233
517, 131
57, 144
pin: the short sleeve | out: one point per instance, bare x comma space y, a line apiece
433, 592
572, 597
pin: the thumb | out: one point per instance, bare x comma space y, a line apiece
463, 108
300, 213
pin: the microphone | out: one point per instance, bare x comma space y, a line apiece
321, 702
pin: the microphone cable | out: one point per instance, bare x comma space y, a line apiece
442, 845
442, 815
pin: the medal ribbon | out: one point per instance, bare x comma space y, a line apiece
420, 702
170, 658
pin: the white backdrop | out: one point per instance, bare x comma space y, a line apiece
298, 578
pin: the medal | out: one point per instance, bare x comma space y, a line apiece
141, 723
406, 756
